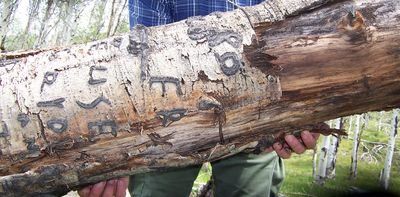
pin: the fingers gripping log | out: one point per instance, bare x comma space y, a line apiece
193, 91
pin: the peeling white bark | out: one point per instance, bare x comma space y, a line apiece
356, 143
385, 179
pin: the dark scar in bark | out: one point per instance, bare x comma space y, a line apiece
163, 80
116, 42
6, 62
49, 78
94, 103
57, 125
100, 127
5, 132
207, 105
93, 81
53, 103
100, 45
138, 40
138, 46
23, 119
220, 119
156, 139
83, 156
232, 69
171, 116
61, 145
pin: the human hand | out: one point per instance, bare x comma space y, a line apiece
298, 145
110, 188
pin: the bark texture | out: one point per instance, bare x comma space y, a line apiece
193, 91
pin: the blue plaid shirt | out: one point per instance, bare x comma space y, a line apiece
161, 12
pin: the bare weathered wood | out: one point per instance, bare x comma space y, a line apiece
193, 91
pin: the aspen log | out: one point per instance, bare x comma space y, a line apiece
193, 91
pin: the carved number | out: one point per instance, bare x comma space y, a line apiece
171, 115
164, 80
216, 38
53, 103
23, 119
94, 103
224, 61
101, 124
230, 37
100, 45
196, 33
5, 132
31, 146
93, 81
49, 78
57, 125
6, 62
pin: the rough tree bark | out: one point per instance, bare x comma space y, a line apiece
193, 91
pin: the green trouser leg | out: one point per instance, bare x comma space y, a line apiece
240, 175
246, 175
173, 182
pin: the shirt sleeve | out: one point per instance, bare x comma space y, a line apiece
149, 12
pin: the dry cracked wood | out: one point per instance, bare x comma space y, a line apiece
193, 91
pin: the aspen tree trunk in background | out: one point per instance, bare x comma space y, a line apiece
118, 22
366, 121
34, 6
111, 18
350, 125
197, 90
321, 174
356, 143
45, 28
315, 162
391, 146
6, 15
68, 16
332, 151
380, 121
